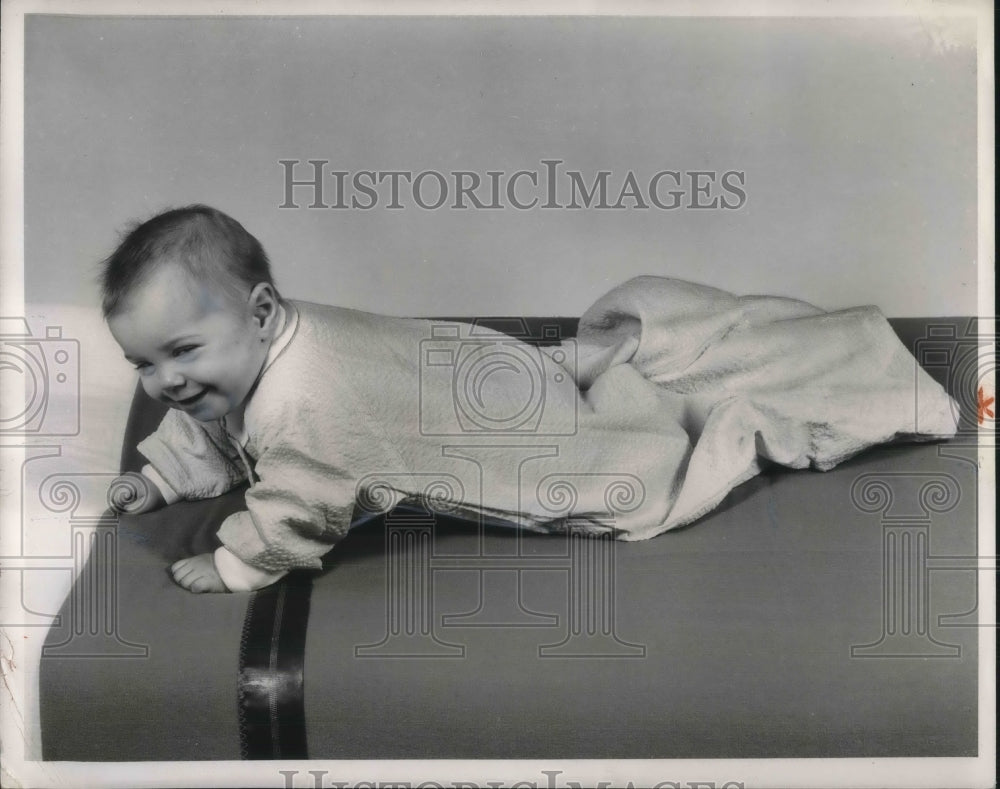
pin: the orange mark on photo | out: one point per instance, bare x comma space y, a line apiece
983, 406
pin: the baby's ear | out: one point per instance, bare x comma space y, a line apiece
263, 303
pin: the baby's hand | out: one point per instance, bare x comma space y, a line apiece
198, 574
133, 494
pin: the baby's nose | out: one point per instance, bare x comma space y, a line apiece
170, 377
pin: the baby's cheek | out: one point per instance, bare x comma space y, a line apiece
149, 387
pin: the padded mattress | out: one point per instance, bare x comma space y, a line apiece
812, 614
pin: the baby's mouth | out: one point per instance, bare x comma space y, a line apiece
189, 401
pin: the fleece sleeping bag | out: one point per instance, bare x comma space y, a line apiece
672, 394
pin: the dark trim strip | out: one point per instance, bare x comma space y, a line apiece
270, 688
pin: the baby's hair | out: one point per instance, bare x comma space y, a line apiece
209, 244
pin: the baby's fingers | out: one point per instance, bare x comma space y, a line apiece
182, 564
193, 580
197, 574
201, 585
184, 572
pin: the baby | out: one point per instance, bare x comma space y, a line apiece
673, 395
314, 406
190, 299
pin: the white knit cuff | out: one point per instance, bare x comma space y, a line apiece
168, 493
238, 576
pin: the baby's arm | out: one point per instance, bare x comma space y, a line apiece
301, 504
190, 459
135, 493
187, 460
295, 514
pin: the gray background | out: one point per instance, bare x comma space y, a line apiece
857, 137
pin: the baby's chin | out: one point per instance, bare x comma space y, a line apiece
206, 417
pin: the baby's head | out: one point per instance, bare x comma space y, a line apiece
189, 297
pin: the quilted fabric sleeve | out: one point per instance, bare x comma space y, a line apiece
296, 513
312, 449
194, 458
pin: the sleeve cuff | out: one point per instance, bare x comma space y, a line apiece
239, 576
168, 493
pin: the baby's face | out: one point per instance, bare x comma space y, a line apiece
195, 350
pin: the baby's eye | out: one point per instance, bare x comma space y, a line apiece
184, 349
144, 368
